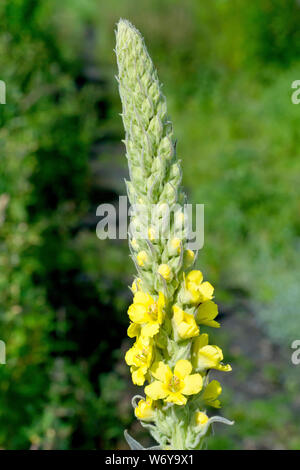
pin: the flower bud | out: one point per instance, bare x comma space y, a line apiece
134, 244
201, 418
165, 271
174, 246
169, 194
142, 258
151, 234
144, 410
188, 258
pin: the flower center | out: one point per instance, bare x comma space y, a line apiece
174, 384
142, 356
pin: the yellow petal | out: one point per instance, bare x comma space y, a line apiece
206, 290
201, 418
206, 313
150, 329
144, 344
156, 390
133, 330
178, 314
185, 330
138, 376
212, 323
192, 384
144, 410
213, 389
176, 398
195, 276
182, 368
200, 342
161, 302
209, 357
214, 403
130, 356
188, 258
137, 313
184, 323
161, 372
142, 298
194, 293
224, 367
211, 393
160, 316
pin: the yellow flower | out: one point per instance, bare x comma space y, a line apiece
198, 290
184, 323
145, 410
173, 386
165, 271
142, 258
147, 313
201, 418
206, 314
206, 356
211, 393
139, 357
188, 258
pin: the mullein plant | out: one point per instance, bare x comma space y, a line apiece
171, 357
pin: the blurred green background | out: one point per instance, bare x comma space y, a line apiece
227, 68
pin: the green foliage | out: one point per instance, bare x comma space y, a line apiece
52, 303
25, 317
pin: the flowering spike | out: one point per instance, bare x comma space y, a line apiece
170, 357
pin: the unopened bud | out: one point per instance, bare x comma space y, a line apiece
200, 418
142, 258
165, 271
188, 258
174, 246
